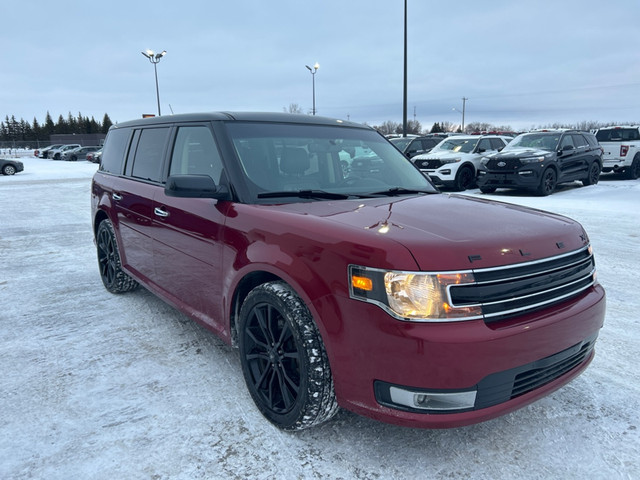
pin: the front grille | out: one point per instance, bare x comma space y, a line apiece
504, 386
505, 292
429, 164
503, 164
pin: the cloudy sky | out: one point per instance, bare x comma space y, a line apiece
520, 64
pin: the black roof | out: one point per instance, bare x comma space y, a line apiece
239, 116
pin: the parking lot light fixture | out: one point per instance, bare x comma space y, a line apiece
154, 58
313, 71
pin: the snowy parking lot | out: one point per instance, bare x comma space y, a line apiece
102, 386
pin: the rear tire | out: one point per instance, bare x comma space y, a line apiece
593, 175
283, 358
9, 170
113, 277
633, 172
548, 182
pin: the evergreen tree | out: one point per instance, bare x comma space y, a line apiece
61, 126
49, 126
106, 123
37, 130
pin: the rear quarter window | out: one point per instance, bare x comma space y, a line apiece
114, 151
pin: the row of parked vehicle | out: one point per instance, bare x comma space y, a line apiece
70, 152
537, 161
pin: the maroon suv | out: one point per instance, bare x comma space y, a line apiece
339, 271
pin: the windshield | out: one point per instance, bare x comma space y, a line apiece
401, 143
320, 162
462, 145
542, 141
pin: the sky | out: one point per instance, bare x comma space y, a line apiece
518, 64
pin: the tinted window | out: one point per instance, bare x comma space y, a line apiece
567, 140
195, 153
147, 163
484, 144
618, 135
579, 141
114, 150
497, 144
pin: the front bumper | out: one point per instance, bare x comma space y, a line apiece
525, 177
373, 351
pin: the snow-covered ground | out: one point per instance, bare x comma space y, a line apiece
101, 386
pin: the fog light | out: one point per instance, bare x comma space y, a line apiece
433, 400
526, 172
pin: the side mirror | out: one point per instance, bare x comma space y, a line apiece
566, 148
194, 186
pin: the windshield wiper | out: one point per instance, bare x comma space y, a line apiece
305, 194
401, 191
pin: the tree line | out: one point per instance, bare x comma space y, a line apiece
20, 131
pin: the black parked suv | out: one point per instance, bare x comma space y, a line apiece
540, 160
412, 146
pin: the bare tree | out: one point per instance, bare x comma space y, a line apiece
293, 108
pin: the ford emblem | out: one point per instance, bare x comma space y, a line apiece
502, 164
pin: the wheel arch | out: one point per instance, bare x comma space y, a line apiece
314, 292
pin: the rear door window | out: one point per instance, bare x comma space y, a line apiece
147, 162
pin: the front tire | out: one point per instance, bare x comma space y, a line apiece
464, 179
283, 358
9, 170
547, 182
113, 277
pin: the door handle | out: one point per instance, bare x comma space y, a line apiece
116, 196
160, 212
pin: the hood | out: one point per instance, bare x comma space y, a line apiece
450, 231
443, 154
520, 152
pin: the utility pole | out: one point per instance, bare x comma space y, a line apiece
404, 95
464, 102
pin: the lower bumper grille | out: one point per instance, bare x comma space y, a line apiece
503, 386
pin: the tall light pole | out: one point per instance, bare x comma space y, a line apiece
155, 59
404, 87
464, 103
313, 83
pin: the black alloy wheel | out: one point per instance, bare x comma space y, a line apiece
547, 182
464, 178
593, 176
284, 362
113, 277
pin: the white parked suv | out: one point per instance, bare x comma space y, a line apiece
621, 145
454, 162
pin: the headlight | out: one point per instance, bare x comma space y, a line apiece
412, 296
484, 161
539, 158
450, 160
